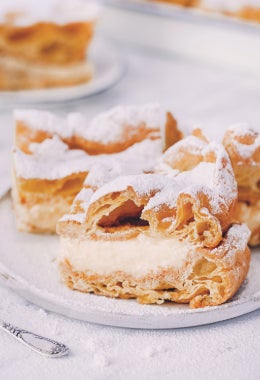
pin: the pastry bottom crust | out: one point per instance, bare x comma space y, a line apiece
250, 214
206, 278
17, 74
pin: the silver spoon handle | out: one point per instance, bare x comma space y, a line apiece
40, 344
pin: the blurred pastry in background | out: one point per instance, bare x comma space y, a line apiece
44, 44
243, 146
245, 9
184, 3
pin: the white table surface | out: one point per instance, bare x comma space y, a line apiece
207, 95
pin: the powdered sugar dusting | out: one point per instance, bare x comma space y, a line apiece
216, 180
213, 179
84, 194
52, 159
236, 240
137, 159
245, 151
49, 148
224, 183
142, 184
190, 182
189, 145
110, 126
107, 127
51, 164
78, 218
45, 121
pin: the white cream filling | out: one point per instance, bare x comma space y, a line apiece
136, 257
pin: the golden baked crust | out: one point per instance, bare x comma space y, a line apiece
250, 214
243, 146
130, 135
185, 207
249, 14
46, 43
184, 157
183, 3
196, 200
43, 53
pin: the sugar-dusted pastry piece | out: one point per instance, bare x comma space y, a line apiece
245, 9
159, 237
109, 132
243, 146
183, 3
54, 155
45, 45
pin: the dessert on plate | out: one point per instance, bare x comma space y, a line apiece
243, 146
245, 9
45, 45
164, 236
54, 155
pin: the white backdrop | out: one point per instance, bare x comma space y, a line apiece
203, 93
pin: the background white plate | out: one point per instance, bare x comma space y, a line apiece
180, 32
28, 265
108, 69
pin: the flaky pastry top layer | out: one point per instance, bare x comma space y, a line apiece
196, 203
243, 146
109, 132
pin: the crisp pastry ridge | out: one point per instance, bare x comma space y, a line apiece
53, 156
159, 237
243, 146
45, 47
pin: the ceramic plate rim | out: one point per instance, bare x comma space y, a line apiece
167, 317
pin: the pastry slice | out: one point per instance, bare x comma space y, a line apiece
109, 132
243, 146
45, 45
245, 9
159, 237
53, 156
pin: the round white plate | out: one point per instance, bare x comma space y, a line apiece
28, 265
108, 70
